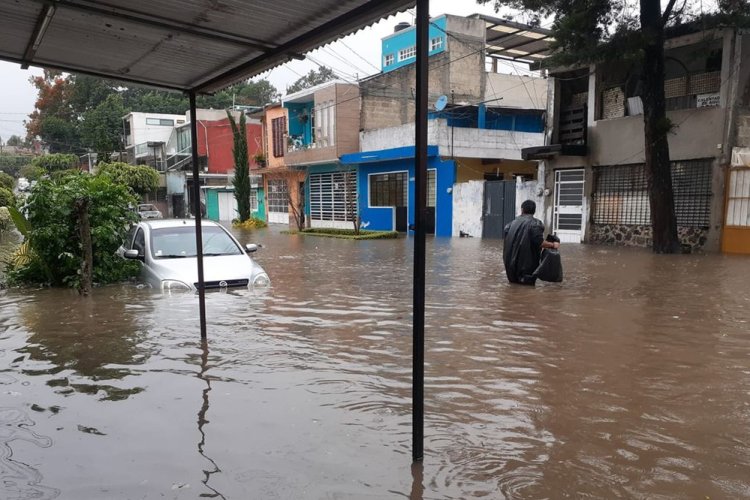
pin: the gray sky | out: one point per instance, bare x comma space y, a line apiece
17, 95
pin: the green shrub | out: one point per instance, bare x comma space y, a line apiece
31, 172
251, 223
7, 181
348, 234
54, 162
140, 178
56, 254
7, 198
6, 222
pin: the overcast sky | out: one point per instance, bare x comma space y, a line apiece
357, 55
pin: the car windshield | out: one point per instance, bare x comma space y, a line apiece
179, 242
145, 208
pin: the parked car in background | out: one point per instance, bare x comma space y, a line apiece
167, 252
148, 211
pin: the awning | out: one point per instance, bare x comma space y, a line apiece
199, 45
542, 152
382, 155
515, 41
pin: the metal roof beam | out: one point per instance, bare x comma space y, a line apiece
526, 42
42, 22
301, 44
163, 23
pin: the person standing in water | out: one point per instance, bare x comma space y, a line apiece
524, 241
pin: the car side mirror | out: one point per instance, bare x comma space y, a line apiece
251, 247
133, 254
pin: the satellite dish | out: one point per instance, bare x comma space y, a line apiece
441, 102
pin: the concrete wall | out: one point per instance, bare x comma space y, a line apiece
468, 201
454, 141
270, 114
388, 98
216, 141
517, 91
140, 132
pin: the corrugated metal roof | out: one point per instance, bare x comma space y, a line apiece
201, 45
515, 41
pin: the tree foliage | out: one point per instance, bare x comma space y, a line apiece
101, 129
141, 179
241, 167
74, 113
313, 78
7, 198
55, 249
55, 162
7, 181
14, 140
32, 172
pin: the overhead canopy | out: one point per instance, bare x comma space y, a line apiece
515, 41
198, 45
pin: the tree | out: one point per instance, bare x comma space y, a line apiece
14, 140
241, 167
55, 162
55, 254
591, 31
7, 198
141, 179
53, 119
101, 129
7, 181
313, 78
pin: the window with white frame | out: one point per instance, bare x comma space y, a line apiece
407, 53
436, 43
389, 190
431, 188
163, 122
388, 59
253, 200
278, 196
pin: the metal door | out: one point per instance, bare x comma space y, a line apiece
568, 213
499, 207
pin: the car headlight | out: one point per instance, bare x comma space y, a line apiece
174, 286
261, 280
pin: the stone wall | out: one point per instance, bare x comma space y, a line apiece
468, 199
640, 235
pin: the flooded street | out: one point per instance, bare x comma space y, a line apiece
629, 380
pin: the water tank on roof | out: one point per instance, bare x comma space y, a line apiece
401, 26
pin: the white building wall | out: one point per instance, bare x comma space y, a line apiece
468, 200
454, 141
140, 132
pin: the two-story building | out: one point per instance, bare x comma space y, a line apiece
323, 124
164, 142
592, 173
479, 123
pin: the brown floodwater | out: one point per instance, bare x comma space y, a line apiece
629, 380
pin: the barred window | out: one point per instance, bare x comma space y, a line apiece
278, 130
278, 197
738, 198
333, 196
388, 190
254, 200
621, 194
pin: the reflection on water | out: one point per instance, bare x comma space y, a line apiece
630, 379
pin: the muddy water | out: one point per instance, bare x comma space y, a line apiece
630, 380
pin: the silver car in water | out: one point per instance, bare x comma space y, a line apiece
167, 251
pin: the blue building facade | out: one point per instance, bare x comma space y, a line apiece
400, 48
386, 189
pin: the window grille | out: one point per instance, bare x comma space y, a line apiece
333, 196
278, 130
436, 43
388, 59
621, 194
431, 188
254, 200
407, 53
738, 198
389, 190
278, 196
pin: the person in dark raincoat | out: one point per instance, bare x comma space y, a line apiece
524, 241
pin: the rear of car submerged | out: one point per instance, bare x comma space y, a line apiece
166, 249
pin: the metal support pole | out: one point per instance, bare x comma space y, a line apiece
197, 214
420, 185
